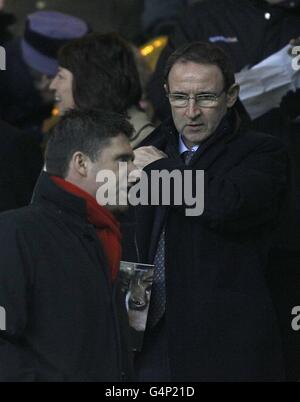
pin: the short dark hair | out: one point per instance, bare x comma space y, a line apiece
105, 74
203, 53
85, 131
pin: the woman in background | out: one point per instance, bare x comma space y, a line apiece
99, 71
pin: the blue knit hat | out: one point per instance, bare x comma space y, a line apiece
45, 33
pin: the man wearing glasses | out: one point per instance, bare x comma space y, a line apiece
210, 317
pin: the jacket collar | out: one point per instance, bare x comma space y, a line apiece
166, 137
47, 191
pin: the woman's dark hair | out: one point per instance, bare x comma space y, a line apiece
203, 53
104, 71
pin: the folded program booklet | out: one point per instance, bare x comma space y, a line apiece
264, 85
136, 282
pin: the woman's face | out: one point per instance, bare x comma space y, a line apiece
62, 84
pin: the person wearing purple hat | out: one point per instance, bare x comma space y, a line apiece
45, 33
26, 101
31, 63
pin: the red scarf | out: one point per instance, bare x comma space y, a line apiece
107, 227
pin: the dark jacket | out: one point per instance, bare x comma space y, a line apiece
6, 20
20, 164
159, 16
55, 287
242, 29
221, 324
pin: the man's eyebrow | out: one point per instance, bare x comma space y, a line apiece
206, 93
197, 94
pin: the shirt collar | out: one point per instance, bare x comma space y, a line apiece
184, 148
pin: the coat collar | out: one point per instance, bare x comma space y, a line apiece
166, 139
47, 191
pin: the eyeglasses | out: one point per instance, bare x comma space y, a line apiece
202, 100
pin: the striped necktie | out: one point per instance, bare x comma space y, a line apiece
187, 156
158, 292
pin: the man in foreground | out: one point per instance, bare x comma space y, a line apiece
60, 258
210, 316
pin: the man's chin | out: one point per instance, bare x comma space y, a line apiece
195, 136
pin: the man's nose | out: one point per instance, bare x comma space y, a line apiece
192, 109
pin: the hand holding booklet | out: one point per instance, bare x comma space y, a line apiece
136, 283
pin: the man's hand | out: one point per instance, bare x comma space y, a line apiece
146, 155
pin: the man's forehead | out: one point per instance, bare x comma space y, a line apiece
193, 69
118, 144
195, 73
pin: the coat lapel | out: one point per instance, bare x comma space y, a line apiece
159, 222
203, 159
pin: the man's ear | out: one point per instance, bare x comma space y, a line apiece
166, 88
79, 164
232, 95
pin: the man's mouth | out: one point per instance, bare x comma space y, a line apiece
195, 125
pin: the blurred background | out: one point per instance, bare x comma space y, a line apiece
123, 16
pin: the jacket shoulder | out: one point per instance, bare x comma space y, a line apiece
199, 9
18, 219
159, 136
258, 138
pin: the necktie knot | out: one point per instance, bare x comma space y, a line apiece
187, 156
